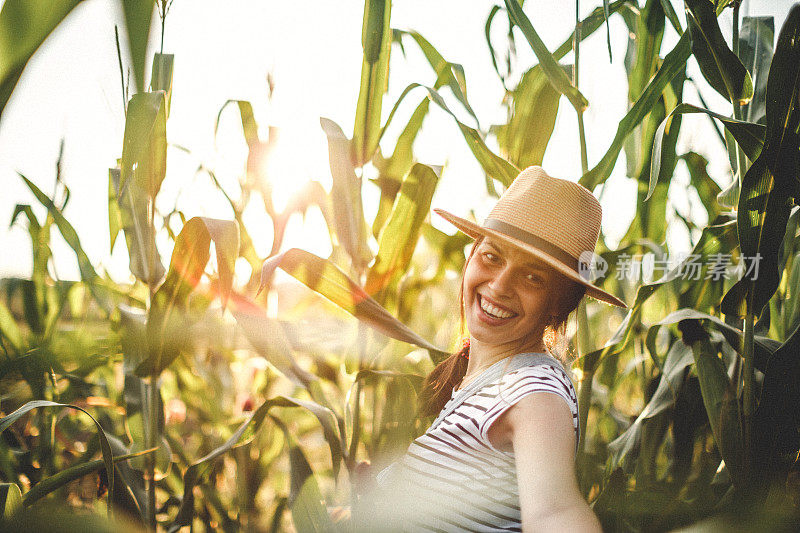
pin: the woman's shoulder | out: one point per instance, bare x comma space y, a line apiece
546, 368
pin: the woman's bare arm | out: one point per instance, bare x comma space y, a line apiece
539, 428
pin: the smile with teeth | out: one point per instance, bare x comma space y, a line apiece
493, 310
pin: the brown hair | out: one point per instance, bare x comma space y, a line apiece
438, 386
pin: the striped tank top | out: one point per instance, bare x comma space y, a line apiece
452, 478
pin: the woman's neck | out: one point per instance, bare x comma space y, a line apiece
482, 356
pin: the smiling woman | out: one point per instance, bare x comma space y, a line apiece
499, 456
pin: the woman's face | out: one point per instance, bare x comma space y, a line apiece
509, 296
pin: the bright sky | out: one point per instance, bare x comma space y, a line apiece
224, 50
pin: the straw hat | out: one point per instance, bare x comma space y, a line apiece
556, 220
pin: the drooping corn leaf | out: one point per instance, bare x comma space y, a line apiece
325, 278
24, 26
590, 24
720, 66
197, 470
555, 74
492, 53
348, 210
195, 473
249, 124
494, 165
170, 312
399, 238
749, 136
138, 16
625, 448
269, 340
63, 477
672, 65
144, 144
108, 456
764, 201
376, 40
532, 118
447, 73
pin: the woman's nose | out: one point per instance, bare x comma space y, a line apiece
501, 283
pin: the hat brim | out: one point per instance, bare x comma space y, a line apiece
475, 231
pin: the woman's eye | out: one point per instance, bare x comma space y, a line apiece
532, 277
490, 257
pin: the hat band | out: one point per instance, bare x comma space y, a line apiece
537, 242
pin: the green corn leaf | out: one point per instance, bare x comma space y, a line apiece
672, 65
625, 448
24, 26
749, 136
11, 340
100, 290
764, 346
672, 17
756, 39
494, 165
195, 473
399, 238
129, 209
249, 124
523, 140
56, 481
10, 500
170, 312
108, 456
776, 419
393, 169
450, 74
325, 278
161, 76
715, 239
330, 426
554, 72
707, 189
720, 66
348, 211
114, 214
771, 181
606, 15
138, 16
376, 39
590, 24
305, 499
144, 144
719, 398
269, 340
